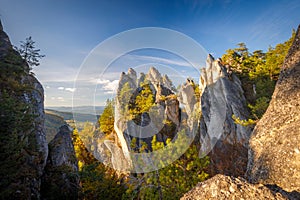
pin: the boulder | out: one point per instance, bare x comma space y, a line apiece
61, 179
222, 187
274, 154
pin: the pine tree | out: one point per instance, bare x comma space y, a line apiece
173, 180
258, 72
97, 180
29, 53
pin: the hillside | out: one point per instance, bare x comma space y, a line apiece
69, 116
78, 109
52, 124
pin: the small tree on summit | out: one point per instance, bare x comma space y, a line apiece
29, 52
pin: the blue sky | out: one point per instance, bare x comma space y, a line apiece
66, 31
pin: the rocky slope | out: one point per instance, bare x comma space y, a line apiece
274, 155
52, 124
222, 187
220, 137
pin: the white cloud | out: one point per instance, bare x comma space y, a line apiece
108, 86
61, 88
70, 89
102, 81
153, 59
60, 98
111, 86
109, 92
48, 87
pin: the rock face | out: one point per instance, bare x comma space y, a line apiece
274, 155
226, 187
39, 145
189, 101
25, 148
61, 180
221, 98
23, 145
5, 44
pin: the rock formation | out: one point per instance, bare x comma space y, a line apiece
61, 180
141, 125
274, 155
222, 187
23, 145
224, 140
5, 43
25, 148
188, 100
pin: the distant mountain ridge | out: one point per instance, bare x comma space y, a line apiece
78, 109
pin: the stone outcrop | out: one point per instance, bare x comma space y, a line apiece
220, 137
26, 149
187, 98
191, 104
38, 146
61, 180
222, 187
23, 145
274, 154
5, 44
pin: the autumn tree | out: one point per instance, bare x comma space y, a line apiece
106, 119
141, 102
97, 180
83, 156
173, 180
87, 135
124, 98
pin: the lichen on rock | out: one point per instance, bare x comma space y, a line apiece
274, 154
222, 187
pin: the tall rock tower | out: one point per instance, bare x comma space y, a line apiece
23, 144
